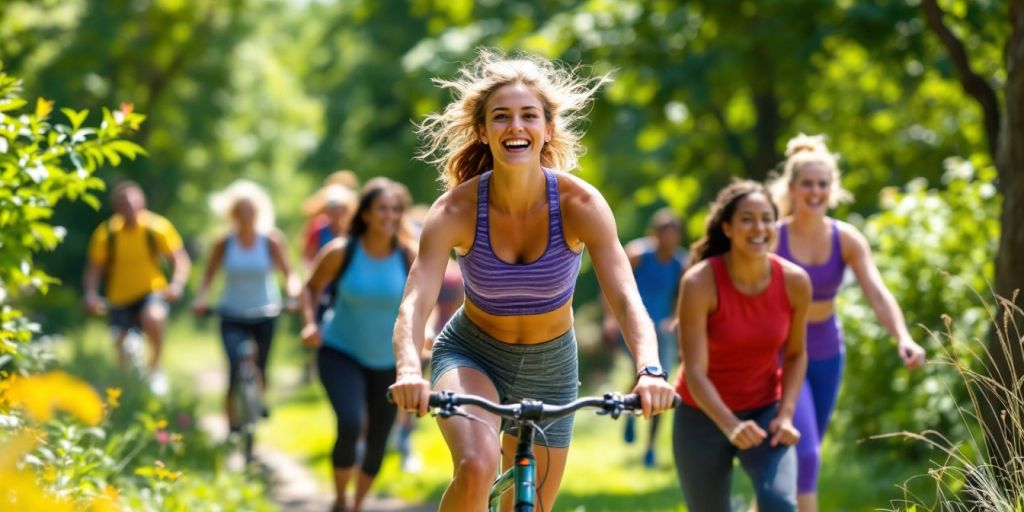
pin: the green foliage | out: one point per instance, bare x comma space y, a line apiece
151, 457
934, 249
43, 162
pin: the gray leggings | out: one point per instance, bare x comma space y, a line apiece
704, 462
545, 371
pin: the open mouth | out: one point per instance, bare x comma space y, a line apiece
516, 145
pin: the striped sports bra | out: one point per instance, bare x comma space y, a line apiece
514, 289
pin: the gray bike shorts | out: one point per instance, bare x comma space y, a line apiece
547, 371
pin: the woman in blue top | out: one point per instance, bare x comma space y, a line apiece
518, 222
658, 261
249, 254
356, 363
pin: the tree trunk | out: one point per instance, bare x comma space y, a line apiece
1006, 345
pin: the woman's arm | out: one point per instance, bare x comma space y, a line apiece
794, 362
292, 283
199, 304
858, 257
696, 301
325, 269
609, 326
426, 274
592, 221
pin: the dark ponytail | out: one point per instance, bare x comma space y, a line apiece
714, 241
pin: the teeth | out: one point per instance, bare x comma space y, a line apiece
517, 143
758, 240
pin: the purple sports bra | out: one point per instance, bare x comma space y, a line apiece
825, 278
513, 289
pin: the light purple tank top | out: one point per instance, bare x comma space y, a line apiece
513, 289
825, 278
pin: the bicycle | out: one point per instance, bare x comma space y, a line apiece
247, 390
521, 477
247, 400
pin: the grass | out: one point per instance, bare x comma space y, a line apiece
603, 473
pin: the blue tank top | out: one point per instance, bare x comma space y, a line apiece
658, 282
250, 290
825, 278
513, 289
362, 320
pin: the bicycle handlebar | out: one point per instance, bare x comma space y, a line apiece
446, 403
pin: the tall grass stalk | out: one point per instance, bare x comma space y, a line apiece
986, 471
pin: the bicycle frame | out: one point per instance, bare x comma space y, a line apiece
522, 475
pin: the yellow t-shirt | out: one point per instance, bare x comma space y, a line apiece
135, 271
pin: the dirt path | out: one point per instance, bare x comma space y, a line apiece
292, 486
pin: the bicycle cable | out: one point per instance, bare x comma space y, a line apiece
547, 460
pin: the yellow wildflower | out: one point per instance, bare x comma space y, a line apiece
113, 397
40, 395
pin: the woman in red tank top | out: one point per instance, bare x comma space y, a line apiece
742, 327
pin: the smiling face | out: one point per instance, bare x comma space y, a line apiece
515, 127
384, 215
811, 189
752, 229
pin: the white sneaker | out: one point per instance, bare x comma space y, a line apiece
158, 383
411, 464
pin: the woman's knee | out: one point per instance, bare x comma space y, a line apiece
808, 462
476, 470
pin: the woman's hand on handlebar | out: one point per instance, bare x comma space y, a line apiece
656, 395
411, 392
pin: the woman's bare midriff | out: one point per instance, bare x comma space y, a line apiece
820, 310
522, 330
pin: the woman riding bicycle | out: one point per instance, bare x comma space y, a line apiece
249, 253
518, 222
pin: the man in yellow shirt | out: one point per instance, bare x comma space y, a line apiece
126, 250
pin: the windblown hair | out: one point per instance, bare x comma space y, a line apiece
368, 195
714, 241
451, 139
316, 203
223, 203
801, 151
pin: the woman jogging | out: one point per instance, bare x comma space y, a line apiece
825, 247
741, 325
367, 271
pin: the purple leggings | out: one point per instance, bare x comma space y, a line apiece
817, 398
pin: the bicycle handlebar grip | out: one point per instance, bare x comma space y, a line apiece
633, 401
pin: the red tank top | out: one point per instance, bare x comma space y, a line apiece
746, 335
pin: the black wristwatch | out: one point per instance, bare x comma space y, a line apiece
653, 370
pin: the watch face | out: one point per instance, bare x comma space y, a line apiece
654, 371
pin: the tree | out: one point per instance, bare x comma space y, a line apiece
1004, 129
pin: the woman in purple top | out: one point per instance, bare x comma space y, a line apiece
824, 247
518, 222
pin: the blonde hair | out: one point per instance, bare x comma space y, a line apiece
451, 139
801, 151
223, 203
316, 203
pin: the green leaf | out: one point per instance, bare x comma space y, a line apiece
76, 118
8, 104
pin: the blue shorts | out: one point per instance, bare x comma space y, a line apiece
547, 371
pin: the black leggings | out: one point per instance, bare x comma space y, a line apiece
233, 331
355, 390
